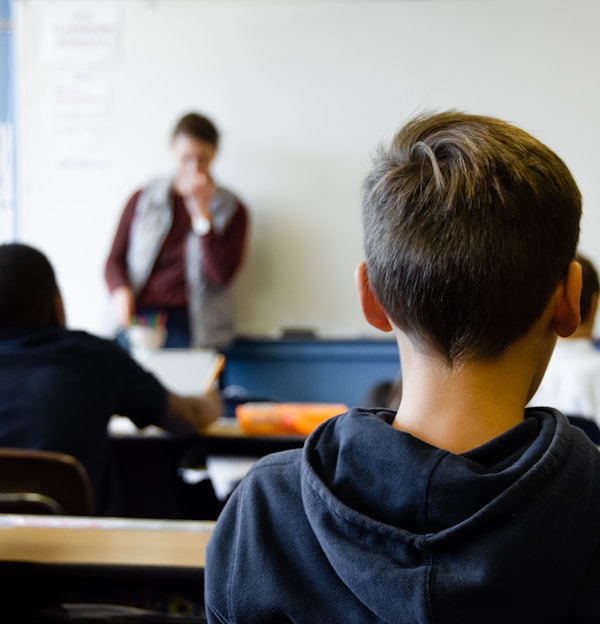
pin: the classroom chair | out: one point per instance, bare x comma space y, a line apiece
43, 482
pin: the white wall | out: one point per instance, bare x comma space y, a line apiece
303, 92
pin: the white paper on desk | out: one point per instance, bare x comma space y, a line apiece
183, 371
227, 472
123, 426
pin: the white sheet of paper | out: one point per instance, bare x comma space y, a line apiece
183, 371
227, 472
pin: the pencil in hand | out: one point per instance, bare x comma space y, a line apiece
214, 372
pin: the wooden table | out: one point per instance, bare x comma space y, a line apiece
225, 437
64, 540
147, 464
49, 561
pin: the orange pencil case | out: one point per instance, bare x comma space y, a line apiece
285, 418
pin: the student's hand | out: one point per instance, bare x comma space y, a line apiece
212, 407
123, 303
193, 413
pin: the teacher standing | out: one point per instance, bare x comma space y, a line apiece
178, 246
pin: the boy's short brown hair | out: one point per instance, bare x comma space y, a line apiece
469, 225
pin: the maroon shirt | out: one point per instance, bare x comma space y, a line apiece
222, 254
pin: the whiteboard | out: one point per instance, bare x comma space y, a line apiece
302, 92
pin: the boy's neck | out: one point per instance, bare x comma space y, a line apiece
461, 407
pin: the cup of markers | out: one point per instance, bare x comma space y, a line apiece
147, 331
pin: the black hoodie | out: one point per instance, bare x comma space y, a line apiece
369, 524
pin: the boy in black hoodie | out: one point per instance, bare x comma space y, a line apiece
462, 506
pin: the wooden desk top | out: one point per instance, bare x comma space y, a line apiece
120, 427
67, 540
229, 428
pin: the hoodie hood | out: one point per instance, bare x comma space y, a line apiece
498, 534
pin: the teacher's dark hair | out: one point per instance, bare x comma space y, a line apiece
198, 127
28, 288
469, 224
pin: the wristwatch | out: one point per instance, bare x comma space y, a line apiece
201, 225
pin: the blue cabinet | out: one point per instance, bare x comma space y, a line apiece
334, 371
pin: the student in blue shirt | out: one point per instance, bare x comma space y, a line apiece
60, 387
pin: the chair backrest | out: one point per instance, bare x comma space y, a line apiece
43, 482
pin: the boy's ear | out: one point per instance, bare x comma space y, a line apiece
567, 310
371, 307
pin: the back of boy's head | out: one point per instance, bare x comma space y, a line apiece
469, 225
590, 286
27, 287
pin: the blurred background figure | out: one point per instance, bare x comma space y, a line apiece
59, 387
572, 380
178, 246
384, 394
